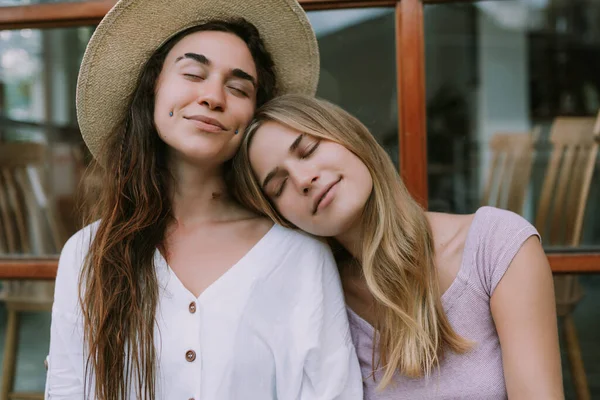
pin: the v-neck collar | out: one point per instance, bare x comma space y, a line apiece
171, 278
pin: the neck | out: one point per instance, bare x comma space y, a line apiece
351, 239
199, 193
356, 292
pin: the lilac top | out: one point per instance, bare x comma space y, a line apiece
494, 238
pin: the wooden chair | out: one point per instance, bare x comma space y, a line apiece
28, 226
560, 218
510, 169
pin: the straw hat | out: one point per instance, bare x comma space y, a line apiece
133, 29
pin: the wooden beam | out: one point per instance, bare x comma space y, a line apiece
54, 15
91, 12
45, 269
449, 1
573, 263
38, 269
315, 5
410, 66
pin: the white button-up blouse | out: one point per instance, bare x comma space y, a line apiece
274, 326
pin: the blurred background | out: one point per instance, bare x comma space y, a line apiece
512, 92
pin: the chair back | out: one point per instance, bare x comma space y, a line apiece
564, 195
510, 170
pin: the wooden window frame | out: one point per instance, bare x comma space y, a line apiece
412, 131
83, 13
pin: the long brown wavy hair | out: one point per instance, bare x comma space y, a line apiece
397, 256
118, 286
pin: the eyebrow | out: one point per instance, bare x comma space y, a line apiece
274, 171
239, 73
200, 58
196, 57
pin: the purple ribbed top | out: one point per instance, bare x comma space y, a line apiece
494, 238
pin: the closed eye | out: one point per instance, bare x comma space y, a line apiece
194, 77
239, 91
310, 150
280, 191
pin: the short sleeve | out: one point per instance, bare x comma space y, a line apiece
502, 234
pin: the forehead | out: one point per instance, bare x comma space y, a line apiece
269, 147
223, 49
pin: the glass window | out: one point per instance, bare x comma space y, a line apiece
34, 341
38, 75
358, 68
503, 68
507, 82
41, 152
41, 160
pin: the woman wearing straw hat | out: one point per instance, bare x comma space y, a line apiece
176, 291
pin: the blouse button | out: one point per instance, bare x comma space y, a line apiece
190, 355
192, 307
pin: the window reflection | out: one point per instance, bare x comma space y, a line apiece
41, 156
500, 67
38, 74
513, 94
358, 68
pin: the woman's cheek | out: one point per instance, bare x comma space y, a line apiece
293, 212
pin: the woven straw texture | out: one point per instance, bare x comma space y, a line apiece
133, 29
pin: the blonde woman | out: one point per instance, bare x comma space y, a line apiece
441, 306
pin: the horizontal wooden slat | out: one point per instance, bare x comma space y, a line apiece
54, 15
26, 396
40, 269
581, 263
449, 1
45, 269
91, 12
312, 5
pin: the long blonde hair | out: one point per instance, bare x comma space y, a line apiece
397, 255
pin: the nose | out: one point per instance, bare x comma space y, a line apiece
305, 179
212, 95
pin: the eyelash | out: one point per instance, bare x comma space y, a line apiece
240, 91
193, 76
311, 150
237, 90
281, 188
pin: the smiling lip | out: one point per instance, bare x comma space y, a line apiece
206, 123
319, 198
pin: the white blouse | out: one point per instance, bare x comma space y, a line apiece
274, 326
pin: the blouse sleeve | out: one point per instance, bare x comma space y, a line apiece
65, 376
331, 369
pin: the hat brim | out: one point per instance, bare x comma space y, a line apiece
133, 29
